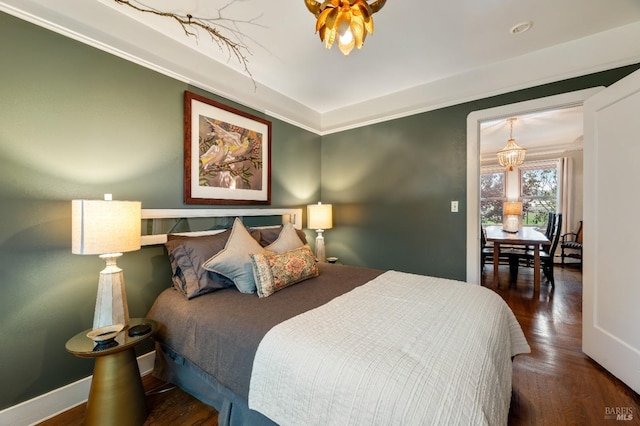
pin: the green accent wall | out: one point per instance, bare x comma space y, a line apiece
392, 183
77, 122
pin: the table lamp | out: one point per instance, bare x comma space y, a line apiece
512, 211
319, 217
107, 228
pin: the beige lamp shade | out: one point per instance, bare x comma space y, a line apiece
319, 216
512, 208
101, 226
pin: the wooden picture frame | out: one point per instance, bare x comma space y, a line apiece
227, 154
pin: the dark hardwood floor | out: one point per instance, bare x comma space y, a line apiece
556, 384
167, 404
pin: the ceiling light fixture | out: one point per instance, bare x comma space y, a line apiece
512, 154
347, 21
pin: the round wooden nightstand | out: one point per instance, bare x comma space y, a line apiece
117, 395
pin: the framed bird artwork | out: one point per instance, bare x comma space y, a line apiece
227, 154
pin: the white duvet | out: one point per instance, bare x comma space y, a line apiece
402, 349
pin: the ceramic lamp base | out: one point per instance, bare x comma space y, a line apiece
111, 301
511, 224
320, 252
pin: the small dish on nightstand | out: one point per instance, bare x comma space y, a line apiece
103, 334
332, 259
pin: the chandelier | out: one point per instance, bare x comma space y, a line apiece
512, 154
344, 21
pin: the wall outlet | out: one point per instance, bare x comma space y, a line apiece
454, 207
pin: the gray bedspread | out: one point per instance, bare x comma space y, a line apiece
220, 332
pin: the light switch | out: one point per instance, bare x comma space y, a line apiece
454, 207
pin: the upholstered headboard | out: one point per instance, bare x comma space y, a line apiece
157, 223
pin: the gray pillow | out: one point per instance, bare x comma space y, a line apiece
234, 261
287, 240
269, 235
187, 254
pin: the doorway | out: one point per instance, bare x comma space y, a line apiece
474, 121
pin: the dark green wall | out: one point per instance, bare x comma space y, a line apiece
76, 122
392, 184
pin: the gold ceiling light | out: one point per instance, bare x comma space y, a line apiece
344, 21
512, 154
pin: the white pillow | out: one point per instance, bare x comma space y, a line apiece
287, 240
234, 261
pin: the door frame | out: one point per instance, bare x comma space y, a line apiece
474, 119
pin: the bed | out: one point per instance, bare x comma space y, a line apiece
335, 344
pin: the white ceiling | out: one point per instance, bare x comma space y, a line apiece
541, 133
423, 54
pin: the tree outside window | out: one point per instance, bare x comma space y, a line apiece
492, 197
539, 191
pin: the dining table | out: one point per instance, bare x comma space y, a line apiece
526, 236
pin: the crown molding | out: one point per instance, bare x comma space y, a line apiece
598, 52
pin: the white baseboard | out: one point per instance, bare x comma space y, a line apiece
59, 400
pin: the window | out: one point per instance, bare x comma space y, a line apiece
492, 196
539, 191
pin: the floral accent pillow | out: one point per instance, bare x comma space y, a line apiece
273, 272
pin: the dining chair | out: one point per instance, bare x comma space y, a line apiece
547, 233
550, 222
547, 252
486, 251
572, 240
